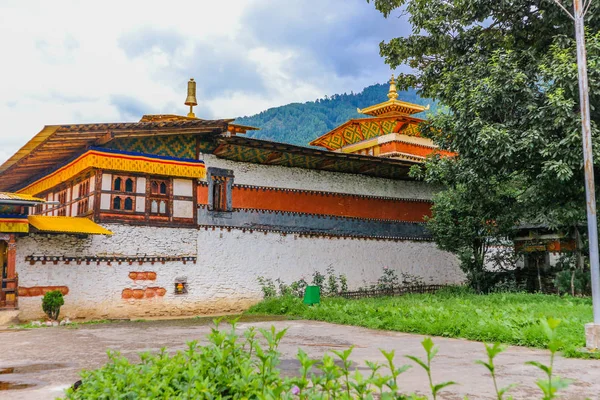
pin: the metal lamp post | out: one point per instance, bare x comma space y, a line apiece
579, 10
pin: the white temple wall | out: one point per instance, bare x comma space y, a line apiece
223, 280
308, 179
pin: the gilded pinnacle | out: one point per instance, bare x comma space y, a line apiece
392, 94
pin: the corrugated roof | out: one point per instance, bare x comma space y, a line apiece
73, 225
18, 196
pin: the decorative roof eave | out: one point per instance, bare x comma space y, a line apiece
116, 160
58, 144
393, 107
19, 199
257, 151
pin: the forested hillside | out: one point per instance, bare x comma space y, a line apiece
299, 123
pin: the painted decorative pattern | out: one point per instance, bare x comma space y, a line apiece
370, 129
247, 154
119, 161
19, 225
291, 160
352, 134
388, 126
410, 130
181, 146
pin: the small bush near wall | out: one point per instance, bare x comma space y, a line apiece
242, 367
332, 284
52, 302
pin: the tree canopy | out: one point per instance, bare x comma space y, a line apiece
299, 123
506, 72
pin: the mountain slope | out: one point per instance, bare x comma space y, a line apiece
299, 123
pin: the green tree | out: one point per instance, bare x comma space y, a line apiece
506, 73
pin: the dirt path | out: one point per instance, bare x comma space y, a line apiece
43, 362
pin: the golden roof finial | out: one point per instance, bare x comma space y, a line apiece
191, 98
392, 94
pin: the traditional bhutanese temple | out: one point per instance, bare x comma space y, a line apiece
178, 215
390, 131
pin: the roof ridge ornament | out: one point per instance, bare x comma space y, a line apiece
191, 97
392, 94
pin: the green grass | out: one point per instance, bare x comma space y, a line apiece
511, 318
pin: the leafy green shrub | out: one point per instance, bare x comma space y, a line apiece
297, 287
343, 283
388, 280
332, 282
573, 281
267, 286
240, 367
318, 280
284, 290
51, 303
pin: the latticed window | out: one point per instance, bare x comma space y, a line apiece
159, 197
83, 197
125, 185
62, 200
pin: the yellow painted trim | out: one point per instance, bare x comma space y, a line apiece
116, 162
76, 225
365, 144
12, 225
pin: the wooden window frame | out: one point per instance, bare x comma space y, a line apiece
122, 194
61, 211
159, 196
220, 188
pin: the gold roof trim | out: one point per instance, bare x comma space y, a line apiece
20, 197
393, 106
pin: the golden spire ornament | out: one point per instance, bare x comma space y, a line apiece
191, 98
392, 94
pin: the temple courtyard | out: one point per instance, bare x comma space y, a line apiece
40, 363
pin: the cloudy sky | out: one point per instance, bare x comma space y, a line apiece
79, 61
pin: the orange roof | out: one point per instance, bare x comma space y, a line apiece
357, 130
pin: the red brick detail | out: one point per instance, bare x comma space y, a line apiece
143, 293
41, 290
142, 276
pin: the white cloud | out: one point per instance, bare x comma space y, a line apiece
78, 61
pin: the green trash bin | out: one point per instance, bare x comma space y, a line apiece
312, 295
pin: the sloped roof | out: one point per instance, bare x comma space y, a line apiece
19, 197
72, 225
360, 129
264, 152
56, 144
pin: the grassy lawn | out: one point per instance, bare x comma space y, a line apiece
506, 318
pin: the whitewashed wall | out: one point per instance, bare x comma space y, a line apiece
224, 278
307, 179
